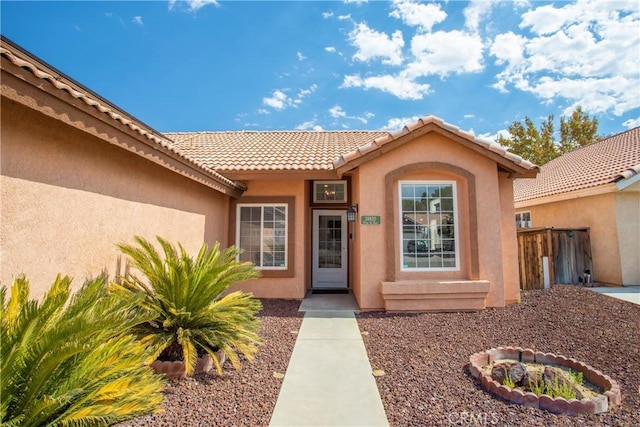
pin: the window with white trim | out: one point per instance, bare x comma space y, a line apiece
261, 232
523, 220
428, 226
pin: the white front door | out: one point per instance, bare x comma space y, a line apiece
329, 249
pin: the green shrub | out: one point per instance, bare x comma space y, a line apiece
70, 360
190, 315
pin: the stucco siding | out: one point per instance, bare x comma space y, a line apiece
432, 157
596, 212
293, 285
628, 222
69, 197
511, 277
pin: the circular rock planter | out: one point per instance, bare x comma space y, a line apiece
175, 369
602, 394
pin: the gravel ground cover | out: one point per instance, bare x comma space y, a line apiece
238, 398
425, 357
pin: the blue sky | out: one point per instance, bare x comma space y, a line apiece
338, 65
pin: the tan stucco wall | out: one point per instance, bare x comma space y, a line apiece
628, 222
597, 212
490, 198
511, 276
294, 286
69, 197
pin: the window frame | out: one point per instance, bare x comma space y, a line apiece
290, 202
520, 220
343, 182
456, 240
262, 252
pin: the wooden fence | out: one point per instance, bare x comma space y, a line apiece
554, 255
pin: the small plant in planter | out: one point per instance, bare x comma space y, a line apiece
191, 315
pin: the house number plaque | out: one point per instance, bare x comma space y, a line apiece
370, 220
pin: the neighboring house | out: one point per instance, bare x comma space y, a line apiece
419, 219
596, 186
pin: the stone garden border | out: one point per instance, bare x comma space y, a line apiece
595, 405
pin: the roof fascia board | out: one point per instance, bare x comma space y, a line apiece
410, 135
275, 175
157, 146
625, 183
570, 195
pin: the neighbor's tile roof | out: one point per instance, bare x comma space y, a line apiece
270, 150
309, 150
603, 162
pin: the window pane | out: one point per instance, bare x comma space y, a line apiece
330, 191
428, 226
262, 234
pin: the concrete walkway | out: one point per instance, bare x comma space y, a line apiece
329, 381
627, 293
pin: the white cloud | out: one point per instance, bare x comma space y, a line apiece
327, 15
508, 48
303, 93
278, 100
301, 57
344, 17
443, 52
263, 111
469, 116
399, 86
494, 136
193, 5
358, 2
415, 14
137, 20
398, 123
330, 49
309, 125
578, 52
336, 112
371, 44
631, 123
475, 12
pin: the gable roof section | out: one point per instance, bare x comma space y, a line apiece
612, 160
158, 142
389, 140
339, 151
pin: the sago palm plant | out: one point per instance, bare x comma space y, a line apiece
69, 359
191, 315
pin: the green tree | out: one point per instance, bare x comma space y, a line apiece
577, 131
70, 360
184, 293
539, 145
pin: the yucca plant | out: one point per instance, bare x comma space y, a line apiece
70, 359
191, 315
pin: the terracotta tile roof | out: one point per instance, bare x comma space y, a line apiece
607, 161
57, 79
438, 123
270, 150
309, 150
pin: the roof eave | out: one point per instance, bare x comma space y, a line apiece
513, 164
567, 195
30, 70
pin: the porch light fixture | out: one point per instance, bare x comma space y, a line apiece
351, 213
